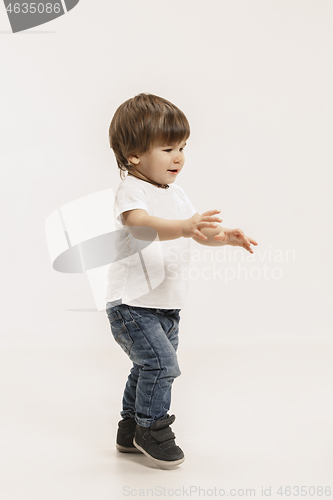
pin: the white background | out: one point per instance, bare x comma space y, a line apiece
254, 79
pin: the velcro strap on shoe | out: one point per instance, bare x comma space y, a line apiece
162, 435
159, 424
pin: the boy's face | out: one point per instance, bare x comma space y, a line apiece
161, 164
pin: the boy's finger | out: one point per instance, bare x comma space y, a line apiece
210, 212
201, 236
211, 218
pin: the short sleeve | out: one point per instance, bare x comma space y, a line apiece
129, 196
186, 201
191, 208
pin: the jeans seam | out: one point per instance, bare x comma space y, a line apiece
124, 329
158, 359
129, 312
173, 329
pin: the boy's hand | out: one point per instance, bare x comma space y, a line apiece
235, 238
191, 227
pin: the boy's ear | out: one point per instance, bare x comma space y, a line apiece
134, 159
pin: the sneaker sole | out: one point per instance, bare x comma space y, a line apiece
160, 463
126, 449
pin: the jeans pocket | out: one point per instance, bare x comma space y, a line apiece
174, 315
119, 331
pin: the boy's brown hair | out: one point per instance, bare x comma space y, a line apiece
142, 122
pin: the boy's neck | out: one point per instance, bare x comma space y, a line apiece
164, 186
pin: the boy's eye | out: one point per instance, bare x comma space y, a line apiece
169, 150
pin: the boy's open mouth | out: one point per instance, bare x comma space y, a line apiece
174, 171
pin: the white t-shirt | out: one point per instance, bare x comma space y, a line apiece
150, 273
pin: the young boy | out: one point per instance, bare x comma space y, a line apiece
147, 286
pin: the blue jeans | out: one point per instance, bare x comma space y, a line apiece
150, 338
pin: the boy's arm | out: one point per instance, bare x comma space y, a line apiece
168, 229
220, 236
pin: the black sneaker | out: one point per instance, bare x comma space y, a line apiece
125, 435
158, 442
